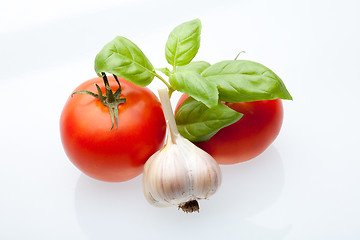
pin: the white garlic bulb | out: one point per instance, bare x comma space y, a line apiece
180, 173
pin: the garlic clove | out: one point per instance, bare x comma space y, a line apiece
148, 195
166, 176
208, 173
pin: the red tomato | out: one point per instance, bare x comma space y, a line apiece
112, 155
248, 137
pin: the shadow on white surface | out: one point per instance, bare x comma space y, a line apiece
119, 210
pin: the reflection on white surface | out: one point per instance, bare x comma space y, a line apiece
254, 185
304, 187
106, 209
109, 210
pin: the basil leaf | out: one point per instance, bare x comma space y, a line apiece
194, 85
123, 58
198, 123
183, 43
244, 81
165, 71
197, 66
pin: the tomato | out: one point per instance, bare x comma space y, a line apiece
112, 155
248, 137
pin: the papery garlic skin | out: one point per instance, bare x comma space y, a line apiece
180, 172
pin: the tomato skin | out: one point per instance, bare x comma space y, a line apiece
112, 155
248, 137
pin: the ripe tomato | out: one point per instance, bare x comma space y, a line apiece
248, 137
112, 155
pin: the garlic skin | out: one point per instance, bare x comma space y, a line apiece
180, 173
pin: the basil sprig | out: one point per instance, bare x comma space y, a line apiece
203, 114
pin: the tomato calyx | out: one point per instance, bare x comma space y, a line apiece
110, 99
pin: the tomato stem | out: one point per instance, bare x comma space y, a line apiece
118, 91
106, 82
99, 93
110, 99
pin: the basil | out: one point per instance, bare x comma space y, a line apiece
196, 86
165, 71
123, 58
202, 114
197, 66
244, 81
198, 123
183, 43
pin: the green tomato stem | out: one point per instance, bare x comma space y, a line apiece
109, 99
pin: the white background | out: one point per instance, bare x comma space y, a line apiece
305, 186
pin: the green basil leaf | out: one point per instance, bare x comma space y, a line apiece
165, 71
196, 66
198, 123
245, 81
183, 43
124, 59
194, 85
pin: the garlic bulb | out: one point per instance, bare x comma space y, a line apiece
180, 173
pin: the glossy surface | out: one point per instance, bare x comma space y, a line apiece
248, 137
118, 154
252, 134
305, 186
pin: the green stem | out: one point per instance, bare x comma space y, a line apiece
171, 92
170, 88
111, 100
86, 92
238, 55
163, 80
